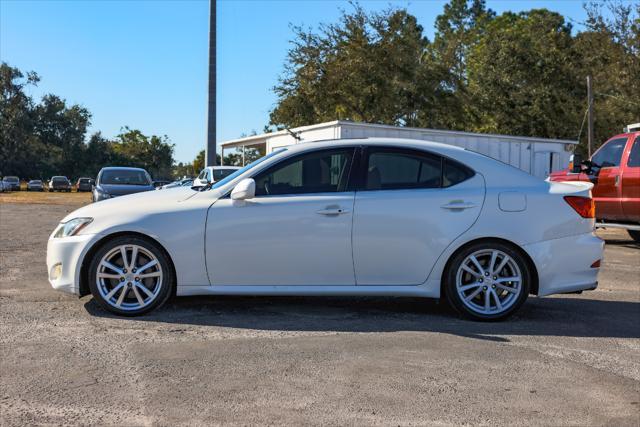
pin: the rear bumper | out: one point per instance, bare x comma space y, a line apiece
564, 265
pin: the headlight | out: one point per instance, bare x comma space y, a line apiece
72, 227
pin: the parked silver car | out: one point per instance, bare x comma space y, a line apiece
11, 183
35, 185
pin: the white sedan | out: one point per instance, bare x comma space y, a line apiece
345, 217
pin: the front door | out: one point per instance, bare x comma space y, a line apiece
606, 192
631, 183
296, 231
412, 206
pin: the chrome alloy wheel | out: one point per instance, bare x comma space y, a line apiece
129, 277
488, 281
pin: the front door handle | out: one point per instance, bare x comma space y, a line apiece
332, 211
616, 180
458, 205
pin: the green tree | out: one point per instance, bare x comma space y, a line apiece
609, 51
521, 77
19, 147
366, 67
153, 153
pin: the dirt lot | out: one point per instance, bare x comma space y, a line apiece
565, 360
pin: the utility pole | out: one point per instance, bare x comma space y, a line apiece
590, 116
210, 152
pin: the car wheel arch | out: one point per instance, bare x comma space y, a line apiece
533, 289
86, 260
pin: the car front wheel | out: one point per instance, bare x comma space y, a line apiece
487, 281
130, 276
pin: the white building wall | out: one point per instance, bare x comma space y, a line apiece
536, 156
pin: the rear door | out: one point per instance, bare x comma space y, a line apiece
607, 191
630, 185
411, 205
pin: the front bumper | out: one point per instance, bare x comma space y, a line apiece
564, 265
64, 260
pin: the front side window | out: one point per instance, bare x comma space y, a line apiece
389, 169
634, 155
610, 154
325, 171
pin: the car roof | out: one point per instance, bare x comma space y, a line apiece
223, 167
121, 168
400, 142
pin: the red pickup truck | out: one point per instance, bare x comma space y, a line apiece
615, 172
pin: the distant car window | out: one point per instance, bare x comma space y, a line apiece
59, 179
84, 180
124, 177
455, 173
219, 174
634, 155
610, 154
325, 171
10, 179
389, 169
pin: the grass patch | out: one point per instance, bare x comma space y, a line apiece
46, 198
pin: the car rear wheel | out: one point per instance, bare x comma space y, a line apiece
487, 281
130, 276
635, 235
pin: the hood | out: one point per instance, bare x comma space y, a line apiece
120, 190
139, 204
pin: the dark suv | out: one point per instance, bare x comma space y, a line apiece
60, 183
119, 181
84, 184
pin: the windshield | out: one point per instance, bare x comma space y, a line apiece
10, 179
246, 168
59, 179
124, 177
219, 174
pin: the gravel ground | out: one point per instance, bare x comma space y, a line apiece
564, 360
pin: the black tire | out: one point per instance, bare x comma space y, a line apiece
166, 285
635, 235
456, 301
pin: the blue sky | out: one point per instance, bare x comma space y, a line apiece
143, 63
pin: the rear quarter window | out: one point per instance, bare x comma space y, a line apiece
454, 173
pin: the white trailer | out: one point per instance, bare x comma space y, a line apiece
537, 156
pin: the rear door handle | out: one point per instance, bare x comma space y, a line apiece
332, 211
458, 205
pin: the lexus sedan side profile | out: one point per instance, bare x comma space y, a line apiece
120, 181
346, 217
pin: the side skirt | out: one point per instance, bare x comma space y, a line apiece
303, 290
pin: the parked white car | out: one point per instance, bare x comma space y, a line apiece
346, 217
212, 174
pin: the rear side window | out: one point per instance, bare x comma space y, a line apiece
610, 154
391, 168
634, 155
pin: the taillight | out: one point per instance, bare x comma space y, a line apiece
585, 206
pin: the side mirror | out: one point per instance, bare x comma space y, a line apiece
246, 189
575, 163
